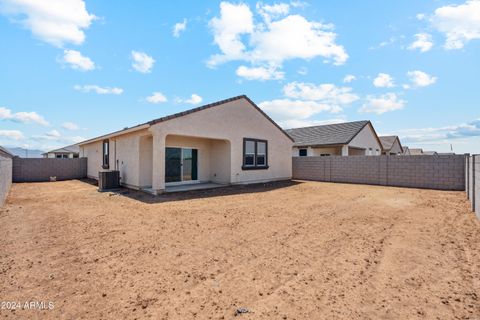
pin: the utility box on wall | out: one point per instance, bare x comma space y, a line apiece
108, 180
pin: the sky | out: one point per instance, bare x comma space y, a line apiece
74, 69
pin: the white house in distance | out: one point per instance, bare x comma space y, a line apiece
341, 139
227, 142
65, 152
391, 145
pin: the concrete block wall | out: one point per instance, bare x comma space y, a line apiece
5, 176
39, 170
432, 172
477, 185
473, 182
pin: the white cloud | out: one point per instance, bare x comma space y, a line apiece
259, 73
53, 133
302, 71
77, 61
420, 78
420, 16
156, 97
383, 103
273, 11
12, 134
383, 80
142, 62
469, 129
288, 110
276, 38
326, 93
194, 99
349, 78
54, 21
304, 100
234, 21
70, 126
179, 27
98, 89
23, 117
459, 23
423, 42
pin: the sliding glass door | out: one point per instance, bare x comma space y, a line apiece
181, 164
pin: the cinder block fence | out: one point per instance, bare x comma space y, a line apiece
472, 181
41, 169
5, 174
431, 172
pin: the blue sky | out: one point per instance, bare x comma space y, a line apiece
73, 69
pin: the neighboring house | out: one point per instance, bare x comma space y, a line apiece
406, 150
430, 153
391, 145
227, 142
341, 139
65, 152
416, 151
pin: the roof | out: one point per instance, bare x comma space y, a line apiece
388, 142
184, 113
416, 151
68, 149
330, 134
4, 152
430, 153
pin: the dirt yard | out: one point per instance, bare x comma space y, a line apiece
300, 250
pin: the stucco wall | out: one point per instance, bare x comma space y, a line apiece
316, 152
214, 130
432, 172
396, 149
5, 176
366, 139
231, 121
124, 156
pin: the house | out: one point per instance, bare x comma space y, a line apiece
227, 142
406, 150
349, 138
416, 151
65, 152
430, 153
391, 145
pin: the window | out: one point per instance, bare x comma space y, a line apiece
302, 152
105, 153
255, 154
325, 155
59, 156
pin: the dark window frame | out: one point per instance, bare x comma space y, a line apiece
300, 152
106, 155
255, 166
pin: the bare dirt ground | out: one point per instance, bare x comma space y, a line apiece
304, 250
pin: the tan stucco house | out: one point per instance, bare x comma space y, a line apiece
391, 145
356, 138
227, 142
65, 152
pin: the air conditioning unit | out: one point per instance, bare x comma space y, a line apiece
108, 180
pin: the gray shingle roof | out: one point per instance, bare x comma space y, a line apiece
73, 148
330, 134
387, 142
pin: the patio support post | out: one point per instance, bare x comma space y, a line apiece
158, 165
